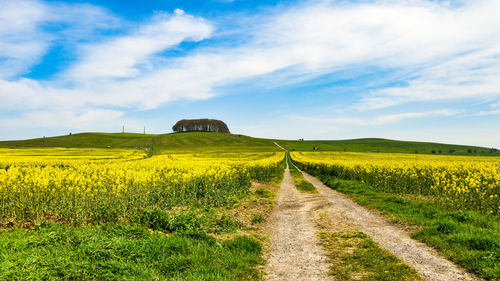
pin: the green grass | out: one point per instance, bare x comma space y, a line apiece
217, 142
97, 140
300, 182
162, 144
386, 145
124, 252
468, 238
156, 244
206, 221
356, 257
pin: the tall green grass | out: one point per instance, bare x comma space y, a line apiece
124, 252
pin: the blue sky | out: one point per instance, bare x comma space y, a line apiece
413, 70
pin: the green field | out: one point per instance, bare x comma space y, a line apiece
386, 145
198, 141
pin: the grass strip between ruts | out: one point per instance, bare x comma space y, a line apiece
300, 182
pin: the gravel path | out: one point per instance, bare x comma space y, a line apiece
295, 251
424, 259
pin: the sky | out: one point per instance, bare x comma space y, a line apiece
410, 70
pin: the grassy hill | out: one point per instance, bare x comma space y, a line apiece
201, 141
97, 140
193, 141
385, 145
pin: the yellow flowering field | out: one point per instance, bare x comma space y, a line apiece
10, 156
458, 182
97, 186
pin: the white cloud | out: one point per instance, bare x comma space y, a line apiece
20, 43
471, 76
118, 58
23, 40
376, 120
454, 49
488, 112
128, 56
83, 119
80, 119
393, 118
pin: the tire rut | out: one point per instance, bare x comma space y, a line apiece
295, 252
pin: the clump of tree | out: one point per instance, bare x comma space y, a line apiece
200, 125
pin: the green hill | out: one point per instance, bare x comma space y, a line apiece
166, 143
97, 140
385, 145
221, 142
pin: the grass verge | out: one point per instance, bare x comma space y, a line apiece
124, 252
300, 182
223, 243
468, 238
354, 256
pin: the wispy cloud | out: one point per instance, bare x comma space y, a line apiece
494, 111
312, 39
130, 55
24, 38
469, 76
488, 112
20, 43
378, 119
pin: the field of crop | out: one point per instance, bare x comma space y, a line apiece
84, 213
43, 155
458, 182
84, 190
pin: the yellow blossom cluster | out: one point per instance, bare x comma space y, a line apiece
467, 182
84, 190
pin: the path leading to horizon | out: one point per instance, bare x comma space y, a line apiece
295, 251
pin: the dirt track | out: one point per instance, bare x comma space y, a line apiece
295, 252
